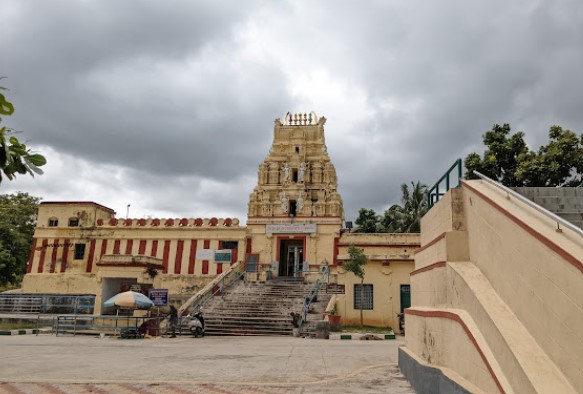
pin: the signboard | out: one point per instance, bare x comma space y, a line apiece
291, 228
136, 287
205, 254
334, 288
158, 296
222, 256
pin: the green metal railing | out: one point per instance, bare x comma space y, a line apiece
435, 193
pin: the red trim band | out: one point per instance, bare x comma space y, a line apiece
547, 242
439, 264
178, 258
165, 256
65, 258
455, 317
364, 245
431, 243
54, 256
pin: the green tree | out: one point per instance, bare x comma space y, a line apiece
15, 157
17, 221
356, 265
501, 158
559, 163
406, 218
509, 161
367, 221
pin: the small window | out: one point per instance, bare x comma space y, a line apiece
53, 222
229, 245
293, 208
79, 251
297, 149
367, 300
74, 222
295, 175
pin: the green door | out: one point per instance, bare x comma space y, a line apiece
405, 297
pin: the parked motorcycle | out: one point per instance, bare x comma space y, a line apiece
196, 324
401, 317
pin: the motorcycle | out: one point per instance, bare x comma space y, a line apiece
401, 317
196, 324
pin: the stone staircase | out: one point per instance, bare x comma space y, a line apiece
263, 308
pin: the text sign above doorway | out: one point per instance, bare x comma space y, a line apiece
292, 228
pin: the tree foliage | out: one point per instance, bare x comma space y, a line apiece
17, 221
406, 218
403, 218
15, 157
508, 160
355, 264
367, 221
357, 261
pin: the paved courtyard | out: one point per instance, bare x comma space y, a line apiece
223, 365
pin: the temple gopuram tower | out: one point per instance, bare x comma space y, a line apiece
295, 212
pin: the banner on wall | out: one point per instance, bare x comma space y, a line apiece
205, 254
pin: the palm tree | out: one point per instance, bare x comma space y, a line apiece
406, 218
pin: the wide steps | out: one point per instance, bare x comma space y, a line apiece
243, 332
251, 309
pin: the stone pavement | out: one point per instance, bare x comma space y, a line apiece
219, 365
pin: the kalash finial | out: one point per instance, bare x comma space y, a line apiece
300, 119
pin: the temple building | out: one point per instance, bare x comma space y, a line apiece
295, 226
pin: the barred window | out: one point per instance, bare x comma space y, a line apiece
229, 245
74, 222
367, 299
53, 222
79, 251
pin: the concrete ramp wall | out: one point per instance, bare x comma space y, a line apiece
511, 285
535, 269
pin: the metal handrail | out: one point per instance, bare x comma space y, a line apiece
533, 205
434, 191
221, 289
216, 286
313, 294
47, 303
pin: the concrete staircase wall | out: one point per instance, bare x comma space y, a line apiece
497, 296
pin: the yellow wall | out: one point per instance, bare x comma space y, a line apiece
390, 263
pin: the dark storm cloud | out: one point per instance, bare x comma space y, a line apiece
102, 82
461, 67
171, 104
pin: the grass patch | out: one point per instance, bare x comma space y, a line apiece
367, 329
8, 287
16, 326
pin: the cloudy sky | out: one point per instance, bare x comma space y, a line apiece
169, 105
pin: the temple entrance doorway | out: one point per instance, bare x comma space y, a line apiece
291, 256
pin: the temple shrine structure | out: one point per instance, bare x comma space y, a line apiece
295, 227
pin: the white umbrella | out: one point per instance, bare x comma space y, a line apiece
130, 299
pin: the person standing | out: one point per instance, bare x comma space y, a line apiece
173, 320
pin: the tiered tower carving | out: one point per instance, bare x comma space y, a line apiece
297, 178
